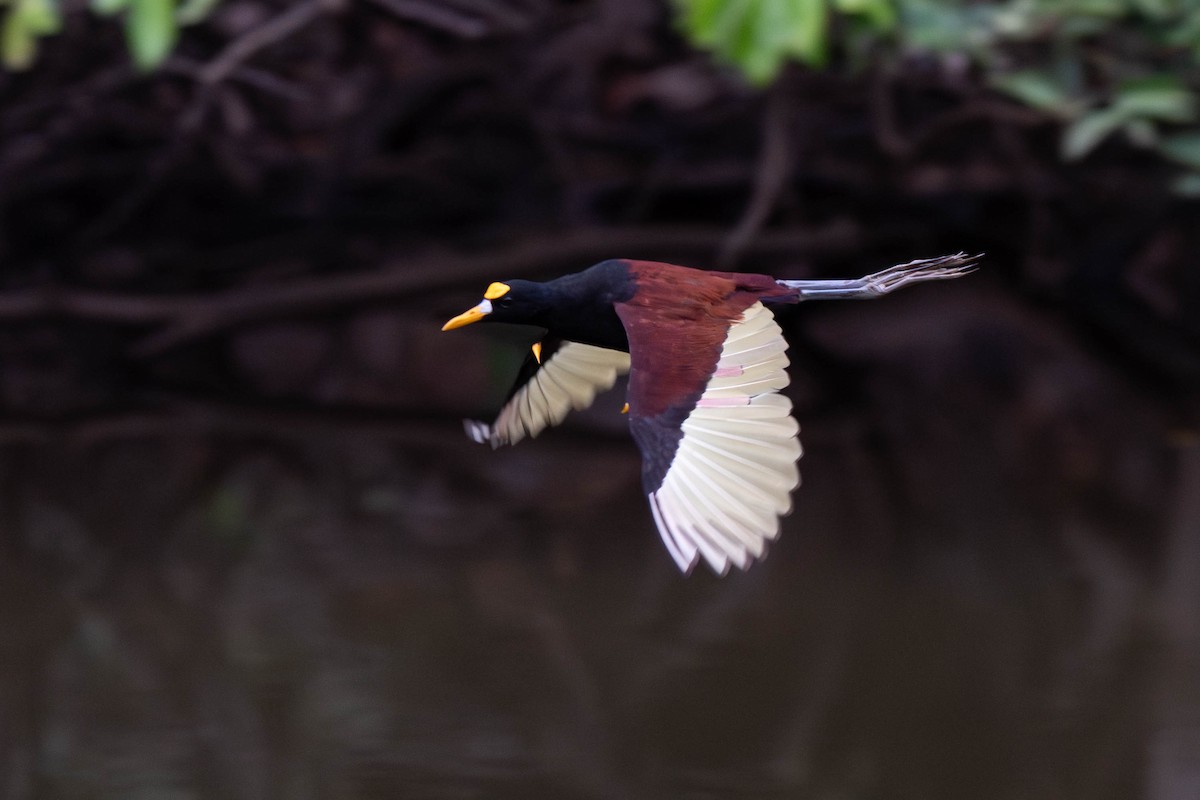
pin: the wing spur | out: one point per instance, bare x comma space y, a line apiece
568, 376
730, 478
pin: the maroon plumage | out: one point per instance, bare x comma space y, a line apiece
677, 320
679, 316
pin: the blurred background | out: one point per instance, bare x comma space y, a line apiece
247, 552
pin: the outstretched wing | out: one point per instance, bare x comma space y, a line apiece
567, 376
719, 444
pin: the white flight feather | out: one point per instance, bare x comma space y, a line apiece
664, 533
758, 478
755, 349
705, 524
735, 465
756, 517
736, 535
686, 544
765, 484
678, 516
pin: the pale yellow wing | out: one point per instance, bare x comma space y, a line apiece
569, 376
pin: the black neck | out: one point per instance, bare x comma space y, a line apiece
581, 307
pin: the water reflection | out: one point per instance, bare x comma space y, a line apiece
355, 619
248, 609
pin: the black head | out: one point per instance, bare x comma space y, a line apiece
522, 302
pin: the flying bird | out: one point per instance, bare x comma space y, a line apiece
706, 363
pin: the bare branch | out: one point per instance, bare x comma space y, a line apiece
771, 176
436, 16
180, 319
270, 32
215, 314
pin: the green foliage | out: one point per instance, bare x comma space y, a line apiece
25, 23
1037, 89
150, 31
151, 26
759, 36
1105, 68
1136, 109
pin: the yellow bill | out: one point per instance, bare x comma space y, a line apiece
467, 317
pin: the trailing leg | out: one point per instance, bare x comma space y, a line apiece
885, 281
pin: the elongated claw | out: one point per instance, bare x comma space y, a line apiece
927, 269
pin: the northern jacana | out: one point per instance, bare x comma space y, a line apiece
706, 362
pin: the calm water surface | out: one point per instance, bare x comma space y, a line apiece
357, 616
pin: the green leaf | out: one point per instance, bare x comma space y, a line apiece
18, 45
737, 46
808, 28
1183, 148
727, 20
697, 18
757, 36
758, 60
1159, 98
1156, 9
1039, 90
1162, 97
938, 27
1083, 135
1185, 32
151, 31
40, 17
26, 21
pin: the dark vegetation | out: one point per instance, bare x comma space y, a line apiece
312, 178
